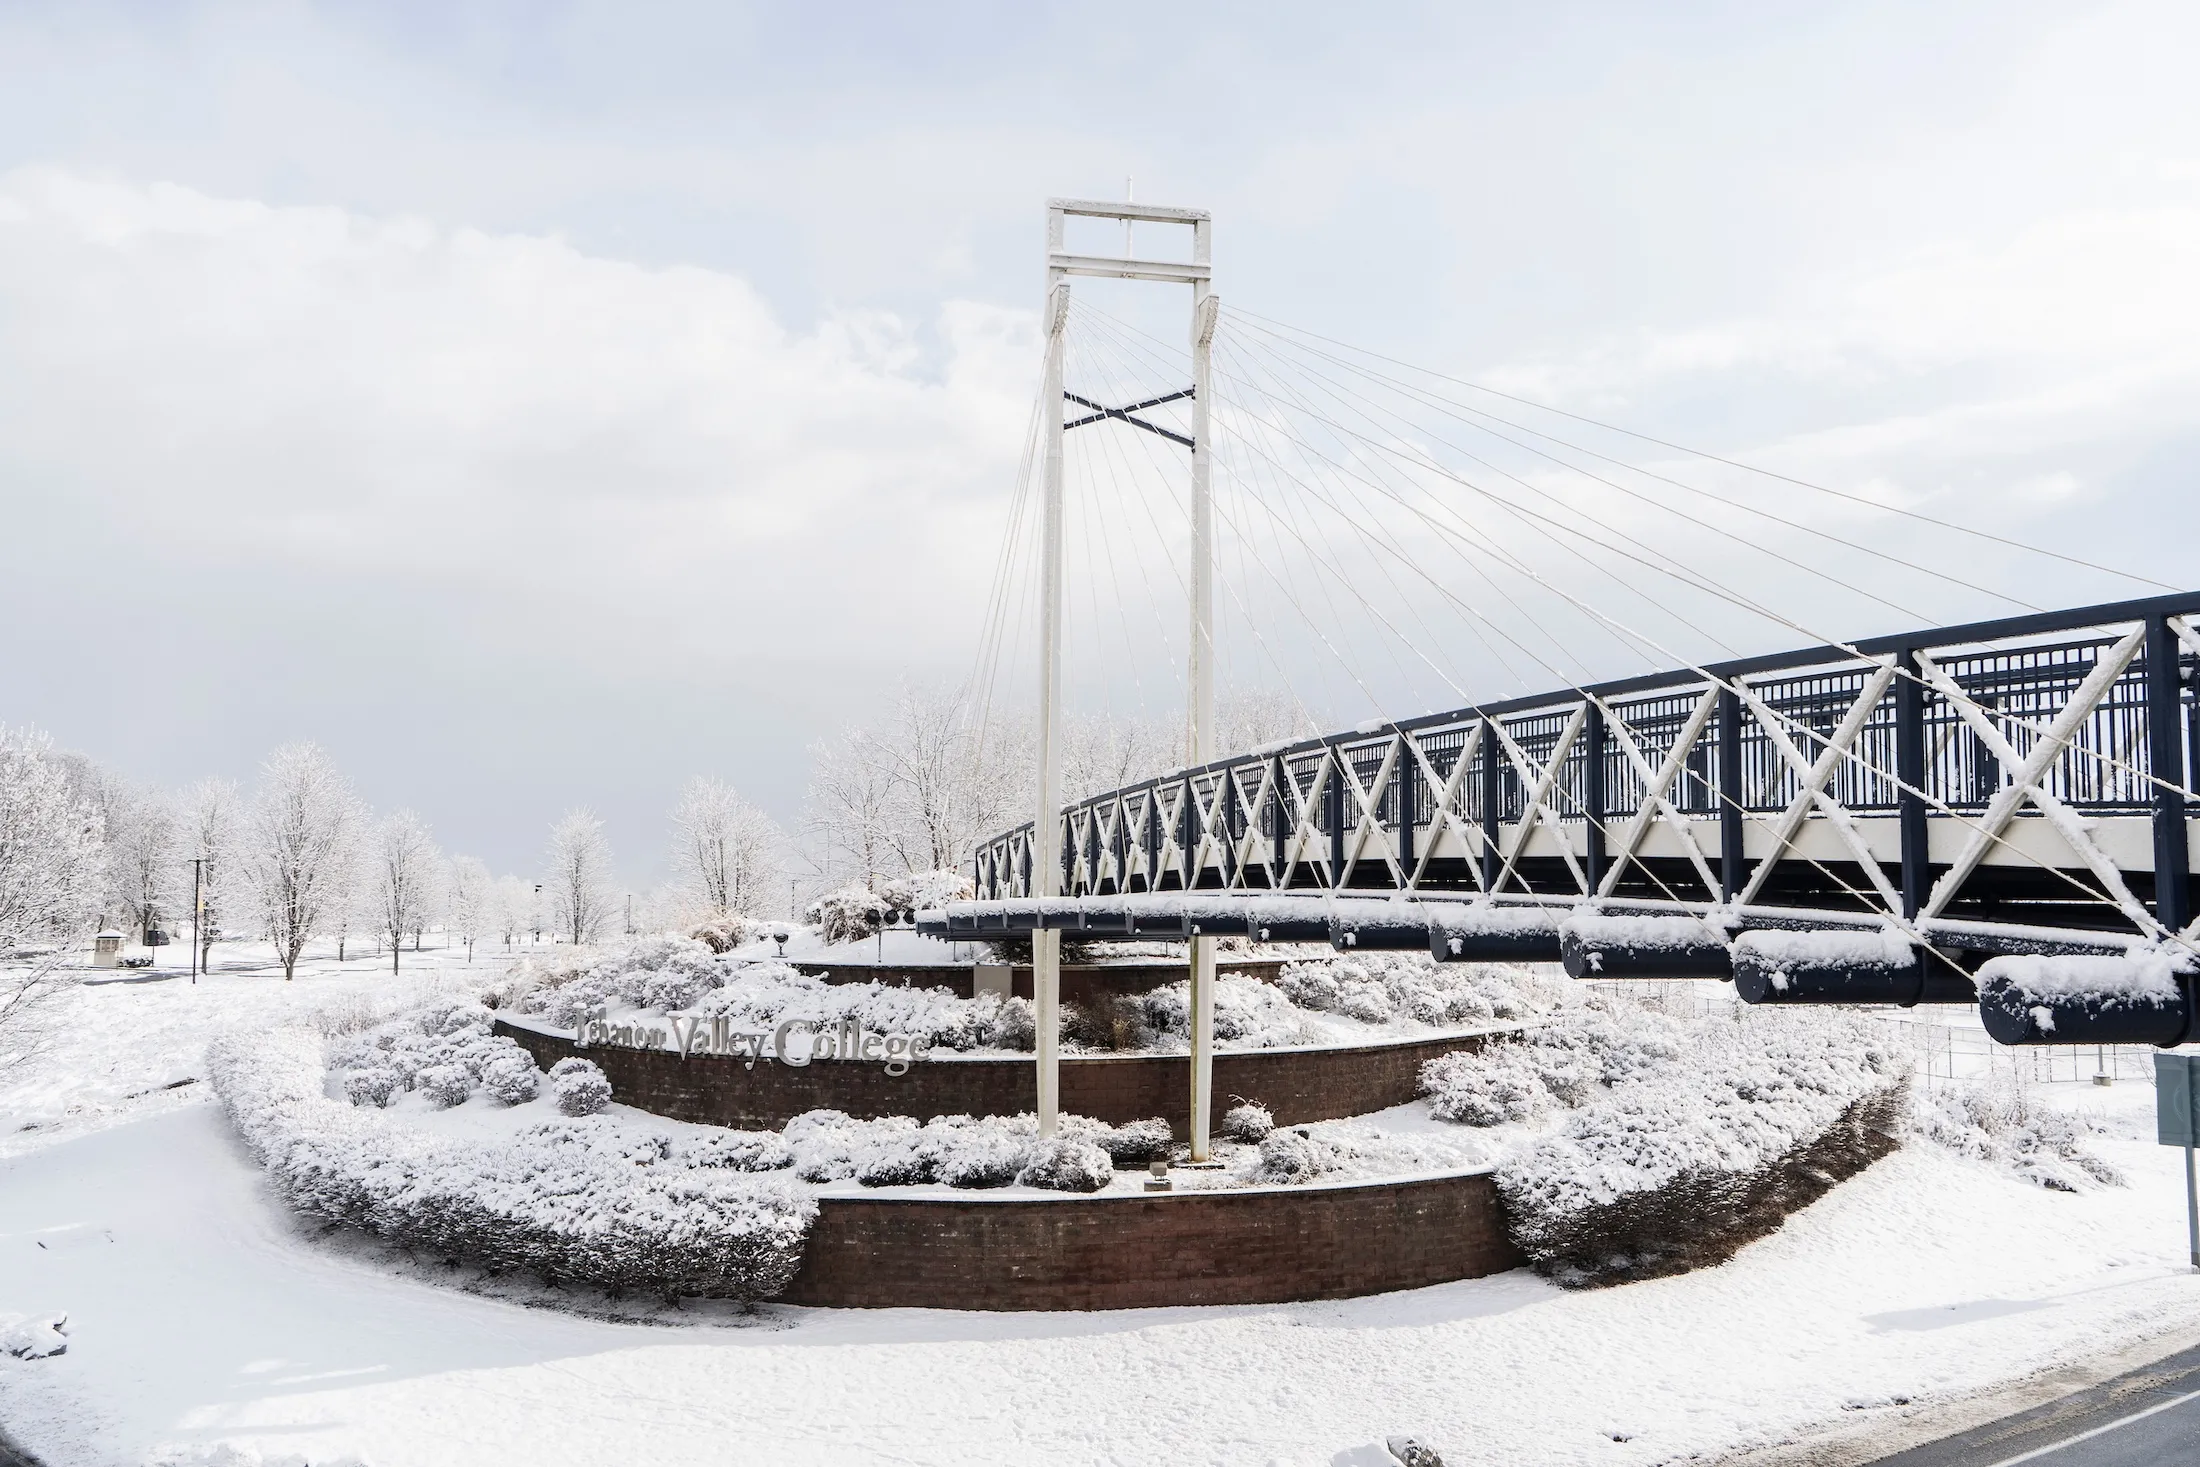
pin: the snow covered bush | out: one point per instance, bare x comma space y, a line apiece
1294, 1156
511, 1079
1066, 1164
580, 1086
652, 972
1999, 1123
592, 1200
967, 1151
847, 915
1594, 1043
1249, 1014
1248, 1123
441, 1051
1379, 987
725, 932
373, 1086
1686, 1159
444, 1085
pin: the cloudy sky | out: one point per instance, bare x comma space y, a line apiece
539, 404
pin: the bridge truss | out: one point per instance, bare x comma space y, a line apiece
2013, 787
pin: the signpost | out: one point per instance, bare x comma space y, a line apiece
2177, 1123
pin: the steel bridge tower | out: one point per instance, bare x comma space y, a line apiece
1047, 863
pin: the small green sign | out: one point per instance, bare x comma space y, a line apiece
2177, 1099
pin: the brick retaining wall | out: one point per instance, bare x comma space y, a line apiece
1297, 1085
1132, 1252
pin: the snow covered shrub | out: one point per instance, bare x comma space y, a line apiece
592, 1201
740, 1151
372, 1086
985, 1156
847, 915
1685, 1161
1248, 1013
763, 995
580, 1086
919, 891
1107, 1020
2001, 1124
651, 972
724, 933
1576, 1053
1015, 1025
511, 1078
1248, 1123
1294, 1156
1377, 987
1136, 1143
1065, 1164
444, 1085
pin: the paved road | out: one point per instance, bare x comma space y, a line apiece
2148, 1418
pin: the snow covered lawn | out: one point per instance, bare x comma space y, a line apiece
200, 1320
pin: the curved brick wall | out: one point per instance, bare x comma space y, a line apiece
1297, 1085
1239, 1247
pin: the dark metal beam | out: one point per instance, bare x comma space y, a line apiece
1101, 413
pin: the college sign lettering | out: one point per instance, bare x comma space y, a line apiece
794, 1043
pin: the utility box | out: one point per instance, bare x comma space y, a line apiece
107, 950
991, 978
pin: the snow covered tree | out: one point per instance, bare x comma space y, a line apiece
403, 871
468, 895
53, 856
851, 807
145, 843
212, 814
53, 870
725, 851
580, 875
293, 847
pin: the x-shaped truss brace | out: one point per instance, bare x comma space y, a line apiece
1101, 412
2027, 781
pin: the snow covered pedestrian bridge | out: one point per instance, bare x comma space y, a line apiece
1924, 802
1995, 811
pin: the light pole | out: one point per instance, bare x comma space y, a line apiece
198, 914
538, 914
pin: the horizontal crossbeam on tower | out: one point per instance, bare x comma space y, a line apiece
1111, 267
1101, 413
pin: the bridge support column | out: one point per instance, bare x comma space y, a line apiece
1909, 769
1733, 861
1046, 828
1594, 739
2166, 762
1492, 825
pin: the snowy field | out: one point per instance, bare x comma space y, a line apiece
205, 1327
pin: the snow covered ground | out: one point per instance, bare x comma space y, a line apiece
203, 1327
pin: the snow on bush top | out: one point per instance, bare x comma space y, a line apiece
1734, 1099
588, 1200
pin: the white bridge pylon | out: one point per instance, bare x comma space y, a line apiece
1046, 945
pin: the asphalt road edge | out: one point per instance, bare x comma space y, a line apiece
1884, 1431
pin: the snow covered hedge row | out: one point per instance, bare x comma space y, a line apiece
1703, 1142
967, 1151
1680, 1140
589, 1200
